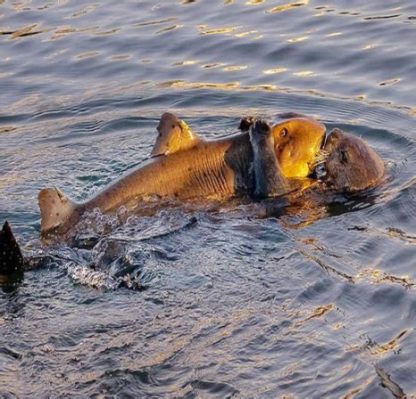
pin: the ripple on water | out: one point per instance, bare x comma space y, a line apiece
227, 304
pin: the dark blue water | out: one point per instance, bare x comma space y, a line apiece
310, 304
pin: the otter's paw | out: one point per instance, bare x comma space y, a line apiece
260, 130
246, 123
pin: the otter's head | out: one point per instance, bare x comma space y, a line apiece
297, 142
174, 135
350, 163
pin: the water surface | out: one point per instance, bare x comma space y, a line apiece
224, 303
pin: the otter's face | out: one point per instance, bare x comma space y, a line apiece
351, 164
297, 142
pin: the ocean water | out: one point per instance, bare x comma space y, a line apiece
219, 302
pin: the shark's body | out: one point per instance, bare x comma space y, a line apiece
215, 169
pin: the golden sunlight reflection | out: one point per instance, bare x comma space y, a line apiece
169, 28
274, 70
87, 54
233, 68
379, 349
247, 33
358, 389
316, 313
107, 32
206, 30
361, 97
304, 74
84, 11
320, 311
298, 39
254, 2
22, 32
334, 34
62, 31
288, 6
228, 86
390, 345
121, 57
212, 65
181, 84
377, 276
336, 326
154, 22
400, 234
185, 63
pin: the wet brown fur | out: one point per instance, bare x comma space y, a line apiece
351, 164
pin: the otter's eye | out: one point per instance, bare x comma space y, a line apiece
173, 126
344, 156
284, 132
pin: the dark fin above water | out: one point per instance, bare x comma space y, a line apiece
11, 258
55, 209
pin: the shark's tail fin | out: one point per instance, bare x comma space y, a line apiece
11, 259
55, 209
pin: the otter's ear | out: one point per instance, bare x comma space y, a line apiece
336, 132
246, 123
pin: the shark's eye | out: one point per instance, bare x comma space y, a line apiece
284, 132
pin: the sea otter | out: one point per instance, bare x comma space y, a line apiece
349, 163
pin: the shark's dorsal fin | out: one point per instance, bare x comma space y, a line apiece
174, 135
11, 259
